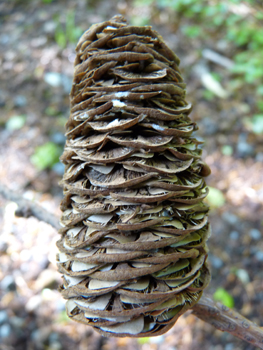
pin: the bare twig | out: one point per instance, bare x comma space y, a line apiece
228, 320
28, 208
217, 58
218, 315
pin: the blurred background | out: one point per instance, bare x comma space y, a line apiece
220, 44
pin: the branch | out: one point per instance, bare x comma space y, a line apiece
28, 208
218, 315
228, 320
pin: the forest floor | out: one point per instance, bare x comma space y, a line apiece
36, 73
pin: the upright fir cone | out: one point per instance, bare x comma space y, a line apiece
133, 245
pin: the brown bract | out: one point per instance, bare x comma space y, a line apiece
133, 243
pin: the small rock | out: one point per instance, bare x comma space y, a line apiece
49, 27
40, 41
20, 101
35, 335
5, 330
217, 347
209, 126
255, 234
53, 337
58, 138
33, 303
234, 235
47, 278
3, 246
56, 79
244, 149
16, 322
259, 157
53, 79
66, 83
54, 341
4, 39
243, 276
3, 316
8, 283
59, 168
230, 218
2, 100
259, 255
15, 123
55, 346
229, 346
41, 335
216, 262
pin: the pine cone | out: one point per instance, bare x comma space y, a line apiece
133, 245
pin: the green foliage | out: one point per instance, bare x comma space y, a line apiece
215, 198
143, 2
260, 90
67, 32
260, 105
142, 341
61, 121
216, 76
192, 31
16, 122
62, 317
46, 156
52, 111
249, 64
224, 297
255, 124
227, 150
140, 21
208, 95
241, 28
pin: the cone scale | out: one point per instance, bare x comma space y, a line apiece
133, 243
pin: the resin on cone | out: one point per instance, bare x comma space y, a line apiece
133, 243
